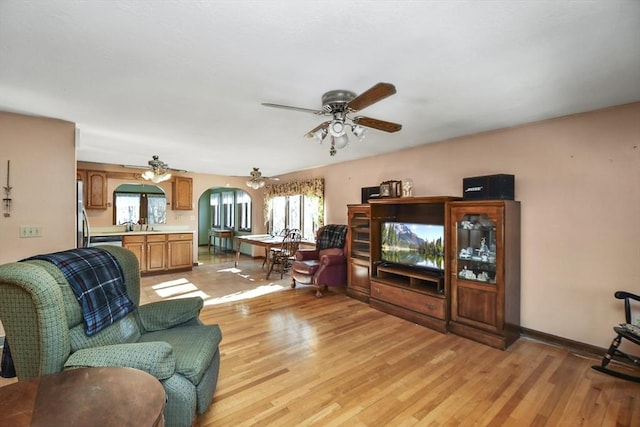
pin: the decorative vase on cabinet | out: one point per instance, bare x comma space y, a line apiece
485, 271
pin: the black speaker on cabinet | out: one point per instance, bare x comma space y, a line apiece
488, 187
370, 193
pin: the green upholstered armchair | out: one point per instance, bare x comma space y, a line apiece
44, 326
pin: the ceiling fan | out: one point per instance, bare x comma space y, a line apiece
340, 105
256, 180
158, 171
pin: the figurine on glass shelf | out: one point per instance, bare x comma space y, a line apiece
467, 274
466, 225
484, 249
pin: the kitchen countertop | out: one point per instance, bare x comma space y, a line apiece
138, 233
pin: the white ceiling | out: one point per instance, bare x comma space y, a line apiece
184, 79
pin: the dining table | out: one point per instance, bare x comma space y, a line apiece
267, 241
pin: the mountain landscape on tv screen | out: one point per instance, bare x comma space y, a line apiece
419, 245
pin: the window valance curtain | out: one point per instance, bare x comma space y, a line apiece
310, 188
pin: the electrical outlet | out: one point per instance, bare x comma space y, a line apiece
31, 231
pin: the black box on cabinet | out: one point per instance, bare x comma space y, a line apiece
488, 187
370, 193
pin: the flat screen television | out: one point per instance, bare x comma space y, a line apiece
413, 245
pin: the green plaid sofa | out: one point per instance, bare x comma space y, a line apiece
44, 327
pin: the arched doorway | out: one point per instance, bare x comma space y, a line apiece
223, 208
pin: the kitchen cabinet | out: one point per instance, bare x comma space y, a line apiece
182, 188
137, 244
160, 252
156, 252
180, 251
94, 190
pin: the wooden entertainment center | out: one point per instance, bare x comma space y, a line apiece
476, 293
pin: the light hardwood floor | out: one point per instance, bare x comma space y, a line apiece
291, 359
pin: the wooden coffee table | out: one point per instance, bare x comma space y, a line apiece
85, 397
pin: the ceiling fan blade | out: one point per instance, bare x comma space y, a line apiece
371, 96
288, 107
310, 134
377, 124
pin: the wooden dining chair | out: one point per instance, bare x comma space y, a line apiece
267, 252
282, 256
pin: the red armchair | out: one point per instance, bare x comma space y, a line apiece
326, 265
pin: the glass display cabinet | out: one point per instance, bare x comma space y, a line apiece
485, 271
359, 252
476, 244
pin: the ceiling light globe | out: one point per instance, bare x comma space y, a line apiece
337, 128
342, 141
255, 183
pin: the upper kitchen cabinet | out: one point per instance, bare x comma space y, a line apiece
94, 189
182, 193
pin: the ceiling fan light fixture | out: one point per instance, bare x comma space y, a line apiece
359, 132
156, 176
320, 134
256, 184
337, 128
341, 105
341, 141
160, 177
148, 175
256, 181
158, 172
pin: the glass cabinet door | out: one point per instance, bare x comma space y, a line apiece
360, 236
477, 246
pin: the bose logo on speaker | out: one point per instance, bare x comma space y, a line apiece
474, 189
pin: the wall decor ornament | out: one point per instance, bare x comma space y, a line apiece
6, 202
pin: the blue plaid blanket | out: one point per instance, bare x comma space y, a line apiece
332, 236
97, 280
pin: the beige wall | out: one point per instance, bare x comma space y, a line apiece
577, 178
43, 158
578, 181
42, 155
